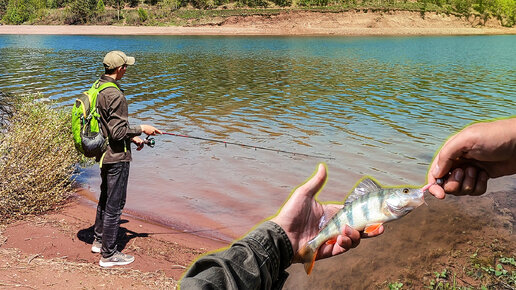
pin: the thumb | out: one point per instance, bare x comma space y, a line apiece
315, 183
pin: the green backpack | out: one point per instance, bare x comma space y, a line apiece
87, 132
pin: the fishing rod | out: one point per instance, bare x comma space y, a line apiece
151, 142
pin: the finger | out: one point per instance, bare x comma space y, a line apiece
350, 238
352, 234
481, 186
315, 183
451, 151
159, 131
453, 184
437, 191
343, 244
470, 180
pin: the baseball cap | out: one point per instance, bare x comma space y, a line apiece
116, 58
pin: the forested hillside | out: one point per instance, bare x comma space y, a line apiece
192, 12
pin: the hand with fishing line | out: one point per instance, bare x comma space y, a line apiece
300, 216
472, 156
140, 143
150, 130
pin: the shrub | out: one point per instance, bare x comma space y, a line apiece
19, 11
37, 157
142, 14
100, 7
283, 3
463, 7
3, 7
171, 5
203, 4
253, 3
310, 3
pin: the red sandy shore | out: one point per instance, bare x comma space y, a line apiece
36, 251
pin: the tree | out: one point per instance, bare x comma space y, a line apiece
20, 11
100, 7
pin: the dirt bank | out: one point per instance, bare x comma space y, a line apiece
351, 23
53, 251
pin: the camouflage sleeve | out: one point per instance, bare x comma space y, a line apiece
258, 261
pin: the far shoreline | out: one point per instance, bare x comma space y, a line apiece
239, 31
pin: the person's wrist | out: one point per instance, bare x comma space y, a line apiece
291, 236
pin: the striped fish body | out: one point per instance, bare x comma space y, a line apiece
366, 208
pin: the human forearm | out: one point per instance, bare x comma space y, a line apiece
256, 261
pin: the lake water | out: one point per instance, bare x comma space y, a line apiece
378, 106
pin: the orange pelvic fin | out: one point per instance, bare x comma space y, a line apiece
372, 228
331, 241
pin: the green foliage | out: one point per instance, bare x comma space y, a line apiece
253, 3
171, 5
161, 11
505, 11
395, 286
52, 4
3, 7
311, 3
20, 11
100, 7
81, 11
37, 158
283, 3
203, 4
142, 14
463, 7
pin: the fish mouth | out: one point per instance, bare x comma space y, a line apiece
413, 201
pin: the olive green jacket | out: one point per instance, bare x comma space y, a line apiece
258, 261
114, 117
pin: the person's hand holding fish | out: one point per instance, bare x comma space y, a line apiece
301, 215
472, 156
366, 209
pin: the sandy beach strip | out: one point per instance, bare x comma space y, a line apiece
250, 30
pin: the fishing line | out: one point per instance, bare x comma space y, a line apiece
151, 142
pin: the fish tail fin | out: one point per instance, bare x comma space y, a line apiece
307, 256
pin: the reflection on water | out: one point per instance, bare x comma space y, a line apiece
379, 106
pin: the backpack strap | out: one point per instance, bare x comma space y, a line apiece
93, 92
104, 85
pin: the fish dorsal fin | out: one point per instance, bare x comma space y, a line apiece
367, 185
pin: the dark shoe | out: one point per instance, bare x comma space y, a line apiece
118, 259
96, 246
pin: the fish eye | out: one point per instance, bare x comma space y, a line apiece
405, 190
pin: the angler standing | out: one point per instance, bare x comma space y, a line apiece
114, 162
